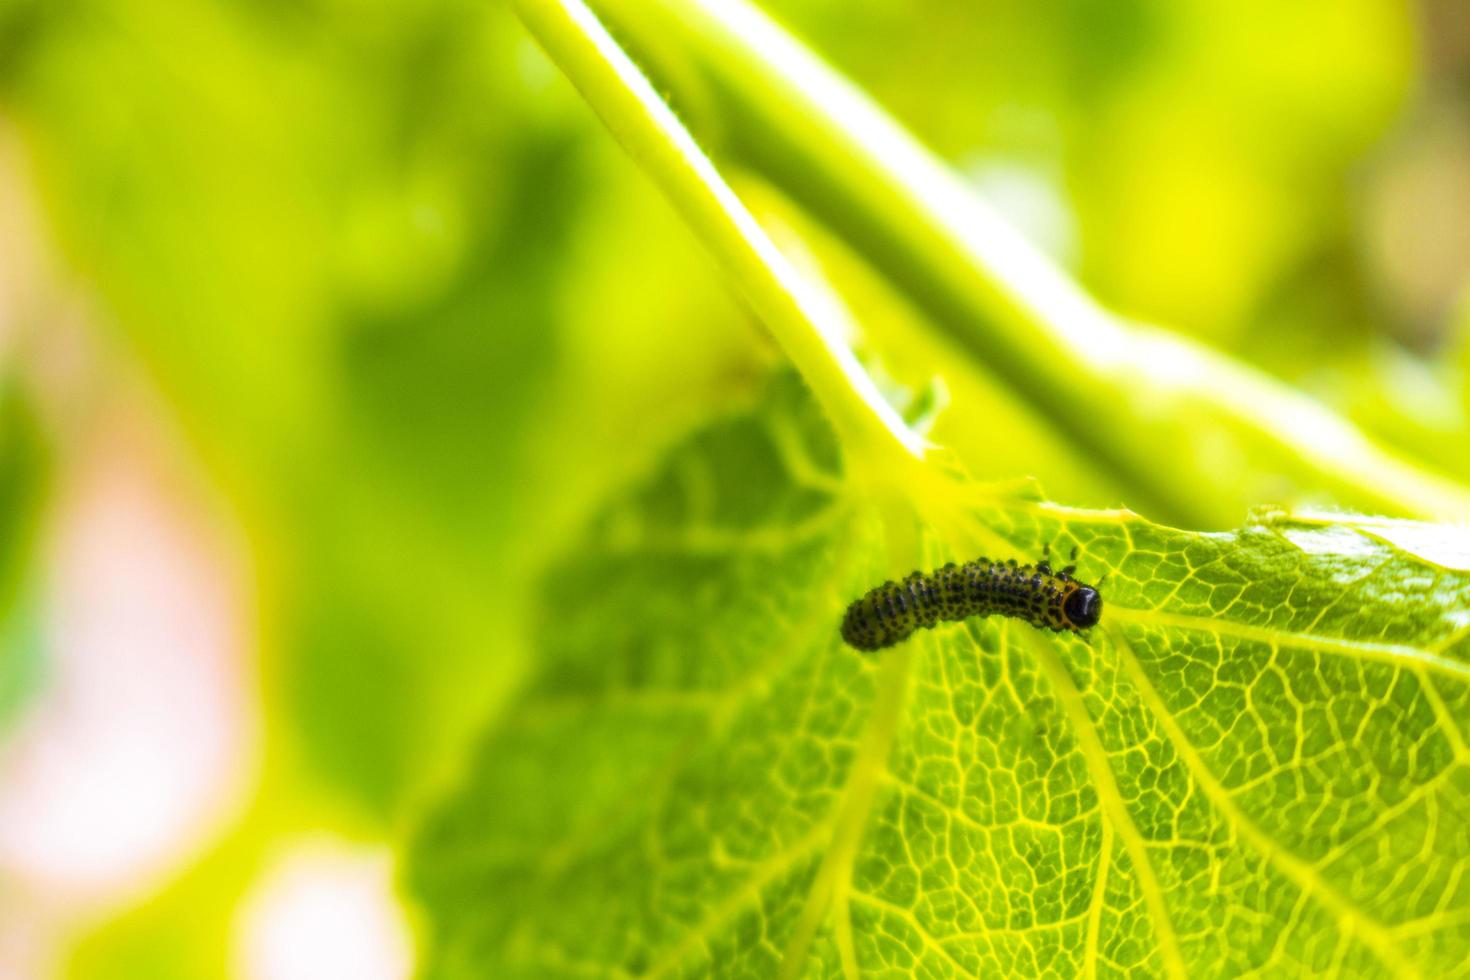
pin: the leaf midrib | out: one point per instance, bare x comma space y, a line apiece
835, 873
1114, 810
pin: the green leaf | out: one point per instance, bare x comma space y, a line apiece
23, 464
1256, 762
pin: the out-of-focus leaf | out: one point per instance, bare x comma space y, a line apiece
349, 245
1257, 762
22, 472
290, 219
444, 393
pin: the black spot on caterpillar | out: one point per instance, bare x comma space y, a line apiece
1044, 598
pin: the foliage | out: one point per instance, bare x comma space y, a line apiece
1255, 764
22, 477
510, 459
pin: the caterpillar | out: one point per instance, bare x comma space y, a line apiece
1044, 598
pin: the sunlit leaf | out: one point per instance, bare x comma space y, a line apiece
1256, 762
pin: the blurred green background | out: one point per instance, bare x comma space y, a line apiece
325, 324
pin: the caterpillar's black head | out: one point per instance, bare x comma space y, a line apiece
1083, 607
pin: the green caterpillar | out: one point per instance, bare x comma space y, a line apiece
1044, 598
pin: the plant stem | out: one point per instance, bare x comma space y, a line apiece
800, 317
1165, 414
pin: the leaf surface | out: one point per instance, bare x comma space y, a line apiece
1256, 762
